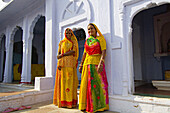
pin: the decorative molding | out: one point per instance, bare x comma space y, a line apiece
125, 3
77, 7
73, 20
150, 4
13, 33
76, 17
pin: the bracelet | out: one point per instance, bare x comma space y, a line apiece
62, 54
102, 60
82, 62
80, 65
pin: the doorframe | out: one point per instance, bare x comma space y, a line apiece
126, 17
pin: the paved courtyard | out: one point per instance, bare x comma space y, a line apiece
43, 107
14, 89
48, 107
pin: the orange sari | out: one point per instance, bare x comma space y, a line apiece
66, 82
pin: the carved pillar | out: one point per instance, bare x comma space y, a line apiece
8, 63
124, 74
25, 76
24, 63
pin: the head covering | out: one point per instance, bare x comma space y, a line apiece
71, 42
100, 37
98, 31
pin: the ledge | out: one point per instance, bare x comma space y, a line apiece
116, 45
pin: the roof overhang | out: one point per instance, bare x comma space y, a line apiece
4, 4
15, 9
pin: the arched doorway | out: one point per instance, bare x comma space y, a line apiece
81, 37
38, 49
17, 55
2, 57
148, 65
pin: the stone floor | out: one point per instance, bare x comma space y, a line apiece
14, 89
43, 107
48, 107
148, 89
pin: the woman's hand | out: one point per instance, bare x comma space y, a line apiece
59, 67
100, 68
59, 56
80, 68
82, 62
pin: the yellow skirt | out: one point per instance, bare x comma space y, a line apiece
65, 90
86, 99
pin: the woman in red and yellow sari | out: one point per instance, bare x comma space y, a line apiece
66, 82
94, 86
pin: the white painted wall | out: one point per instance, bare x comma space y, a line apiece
113, 18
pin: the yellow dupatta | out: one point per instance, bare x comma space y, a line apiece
102, 39
98, 31
67, 45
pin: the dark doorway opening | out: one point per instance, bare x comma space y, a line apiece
2, 58
81, 37
38, 50
148, 65
17, 55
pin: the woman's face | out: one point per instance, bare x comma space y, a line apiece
68, 34
91, 30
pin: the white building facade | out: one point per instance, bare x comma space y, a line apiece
127, 25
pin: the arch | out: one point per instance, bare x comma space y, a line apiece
33, 25
28, 47
86, 15
13, 33
36, 45
148, 5
17, 53
127, 15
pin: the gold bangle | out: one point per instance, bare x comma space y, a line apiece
102, 60
62, 54
82, 62
80, 65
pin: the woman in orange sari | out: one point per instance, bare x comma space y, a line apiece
94, 86
66, 82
